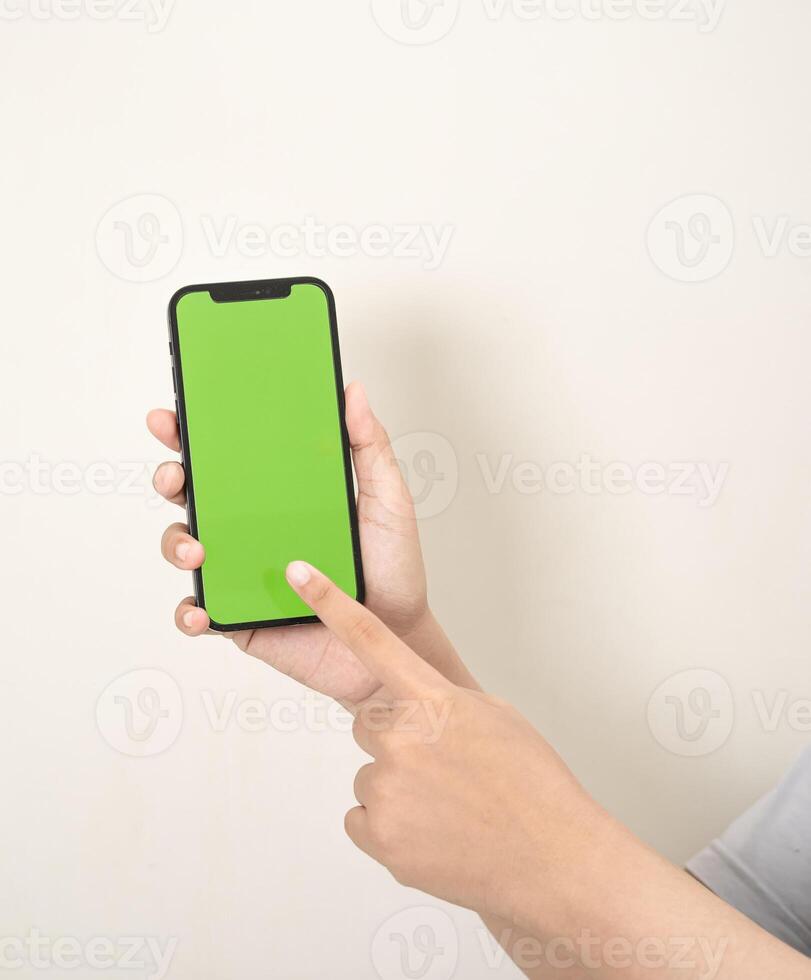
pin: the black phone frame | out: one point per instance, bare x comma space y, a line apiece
257, 290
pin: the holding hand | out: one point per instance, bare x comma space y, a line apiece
392, 562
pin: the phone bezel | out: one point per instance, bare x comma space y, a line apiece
247, 292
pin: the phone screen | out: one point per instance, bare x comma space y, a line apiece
260, 405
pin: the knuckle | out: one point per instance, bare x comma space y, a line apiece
401, 872
364, 778
372, 734
168, 477
354, 824
349, 823
321, 591
384, 787
383, 832
387, 744
376, 715
405, 749
167, 537
363, 728
364, 629
438, 695
383, 442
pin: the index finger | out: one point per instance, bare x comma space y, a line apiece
393, 663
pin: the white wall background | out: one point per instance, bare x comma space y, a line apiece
547, 333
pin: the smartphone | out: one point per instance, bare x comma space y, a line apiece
260, 407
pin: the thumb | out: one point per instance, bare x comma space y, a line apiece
383, 654
384, 494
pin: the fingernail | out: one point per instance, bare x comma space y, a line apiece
182, 550
298, 573
188, 619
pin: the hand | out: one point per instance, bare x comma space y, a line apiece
464, 800
390, 547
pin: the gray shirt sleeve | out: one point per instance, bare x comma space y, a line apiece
762, 863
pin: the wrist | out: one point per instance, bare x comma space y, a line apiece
427, 638
556, 880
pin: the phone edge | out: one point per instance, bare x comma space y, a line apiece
183, 432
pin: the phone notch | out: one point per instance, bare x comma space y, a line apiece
242, 292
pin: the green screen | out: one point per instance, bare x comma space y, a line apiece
266, 451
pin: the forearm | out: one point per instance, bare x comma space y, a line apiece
647, 919
608, 906
624, 911
529, 953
